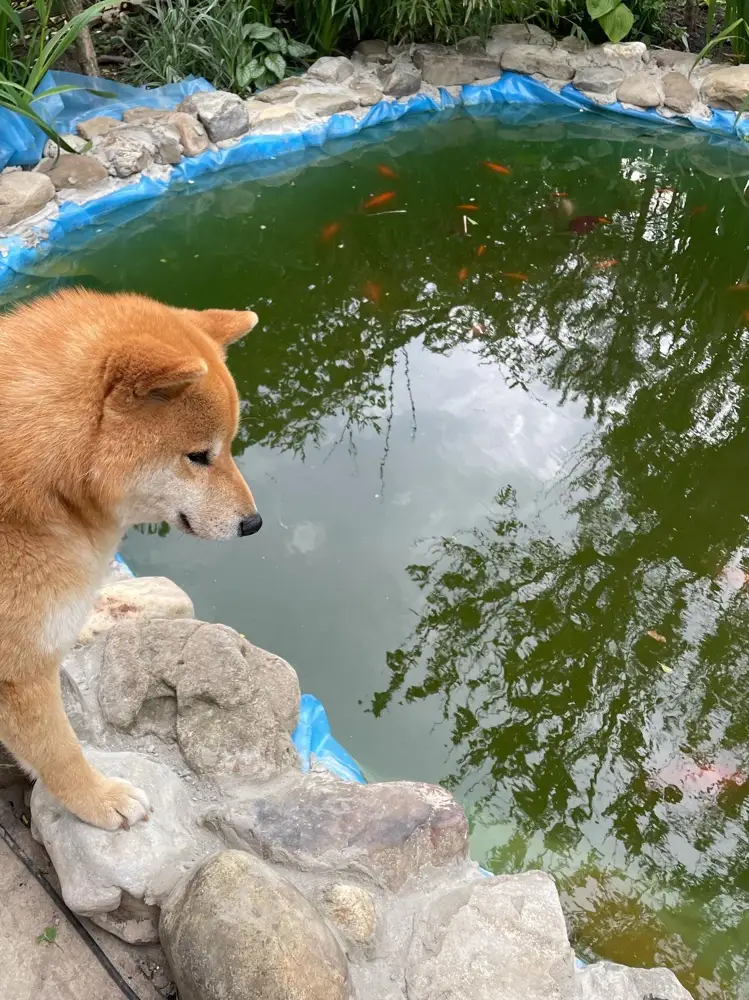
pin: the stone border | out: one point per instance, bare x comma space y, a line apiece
261, 881
140, 156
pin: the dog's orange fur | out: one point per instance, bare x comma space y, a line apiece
102, 398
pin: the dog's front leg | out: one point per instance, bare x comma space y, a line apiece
34, 727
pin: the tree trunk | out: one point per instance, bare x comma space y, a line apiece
84, 46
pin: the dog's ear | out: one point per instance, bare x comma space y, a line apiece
148, 371
225, 326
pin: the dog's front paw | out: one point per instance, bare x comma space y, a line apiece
115, 804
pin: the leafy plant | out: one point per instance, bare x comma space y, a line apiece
615, 18
21, 74
737, 13
220, 40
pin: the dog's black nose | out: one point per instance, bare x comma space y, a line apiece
250, 525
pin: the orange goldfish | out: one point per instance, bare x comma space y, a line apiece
496, 167
740, 286
481, 250
468, 208
515, 275
604, 220
698, 211
379, 199
745, 316
559, 194
666, 190
601, 264
463, 273
329, 231
372, 291
386, 171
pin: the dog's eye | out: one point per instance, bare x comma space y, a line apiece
199, 458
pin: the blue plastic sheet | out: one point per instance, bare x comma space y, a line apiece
271, 154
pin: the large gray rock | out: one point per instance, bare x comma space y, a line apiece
502, 938
268, 119
72, 170
331, 69
283, 93
607, 981
229, 705
192, 136
552, 63
119, 878
22, 194
373, 50
221, 114
235, 929
325, 103
388, 830
678, 92
95, 128
726, 87
401, 79
681, 62
598, 79
366, 92
76, 142
352, 910
126, 150
629, 57
451, 69
504, 35
643, 90
135, 599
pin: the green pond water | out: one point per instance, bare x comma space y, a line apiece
481, 493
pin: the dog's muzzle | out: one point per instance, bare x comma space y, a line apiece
250, 525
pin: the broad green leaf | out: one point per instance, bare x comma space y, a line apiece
48, 936
261, 31
255, 69
298, 50
617, 23
272, 44
276, 64
597, 8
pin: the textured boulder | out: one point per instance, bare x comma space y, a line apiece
71, 170
168, 145
222, 115
366, 92
505, 35
497, 939
235, 929
726, 87
552, 63
175, 132
282, 93
606, 981
641, 89
629, 57
94, 128
272, 118
678, 92
331, 69
400, 79
192, 136
373, 50
390, 830
118, 878
136, 599
230, 706
681, 62
22, 194
352, 910
145, 116
598, 79
451, 69
76, 142
329, 102
126, 150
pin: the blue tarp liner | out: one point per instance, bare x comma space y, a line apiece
267, 153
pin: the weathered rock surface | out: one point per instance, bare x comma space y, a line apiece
135, 599
228, 705
22, 194
607, 981
373, 50
235, 929
641, 89
281, 93
551, 63
97, 868
598, 79
329, 102
400, 79
388, 830
126, 150
72, 170
273, 118
629, 57
352, 910
504, 35
449, 68
454, 954
726, 86
192, 136
222, 115
94, 128
681, 62
76, 142
366, 92
331, 69
678, 92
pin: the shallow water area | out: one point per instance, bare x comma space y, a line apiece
496, 424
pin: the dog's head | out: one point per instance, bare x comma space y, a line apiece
169, 414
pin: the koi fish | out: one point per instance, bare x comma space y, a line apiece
379, 199
656, 635
468, 208
695, 778
481, 249
602, 264
698, 211
515, 275
385, 171
559, 194
740, 286
585, 223
463, 273
372, 291
604, 221
329, 231
665, 190
477, 329
497, 167
745, 315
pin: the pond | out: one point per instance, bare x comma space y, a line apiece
498, 428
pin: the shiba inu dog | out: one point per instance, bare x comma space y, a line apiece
114, 409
